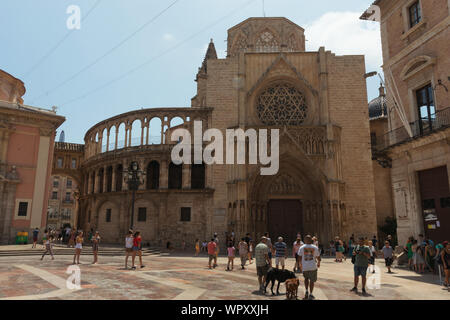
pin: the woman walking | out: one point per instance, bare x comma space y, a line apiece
78, 247
95, 242
250, 251
410, 252
296, 246
137, 249
48, 247
419, 260
231, 250
243, 252
128, 247
197, 247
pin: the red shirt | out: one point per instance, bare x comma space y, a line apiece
137, 242
212, 247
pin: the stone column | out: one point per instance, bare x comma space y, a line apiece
113, 187
164, 175
124, 176
105, 178
117, 138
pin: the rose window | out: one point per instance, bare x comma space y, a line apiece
282, 104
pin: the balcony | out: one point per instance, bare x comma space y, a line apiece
420, 128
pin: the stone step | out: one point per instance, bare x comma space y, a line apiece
71, 251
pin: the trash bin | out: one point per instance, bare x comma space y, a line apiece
19, 238
25, 238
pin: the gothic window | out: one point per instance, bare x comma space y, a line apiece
281, 104
153, 175
175, 176
198, 176
267, 42
240, 45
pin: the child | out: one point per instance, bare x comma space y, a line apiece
48, 247
231, 255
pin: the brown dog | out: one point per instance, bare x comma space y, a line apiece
292, 288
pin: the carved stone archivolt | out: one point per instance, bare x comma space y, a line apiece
285, 184
282, 104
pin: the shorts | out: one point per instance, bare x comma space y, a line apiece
310, 275
270, 254
128, 249
388, 261
35, 239
296, 257
279, 260
262, 271
136, 249
211, 257
360, 271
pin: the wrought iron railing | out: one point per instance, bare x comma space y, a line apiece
439, 120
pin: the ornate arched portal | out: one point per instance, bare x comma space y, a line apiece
294, 200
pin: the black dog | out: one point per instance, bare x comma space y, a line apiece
280, 276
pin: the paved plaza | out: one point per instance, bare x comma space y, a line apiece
180, 276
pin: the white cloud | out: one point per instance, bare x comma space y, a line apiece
168, 37
345, 34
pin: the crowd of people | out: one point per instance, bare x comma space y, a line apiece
422, 253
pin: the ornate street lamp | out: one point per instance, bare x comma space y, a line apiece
134, 181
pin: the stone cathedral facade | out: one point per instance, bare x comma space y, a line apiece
316, 99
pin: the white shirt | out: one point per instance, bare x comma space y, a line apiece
309, 252
129, 242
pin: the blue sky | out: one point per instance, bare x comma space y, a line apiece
29, 28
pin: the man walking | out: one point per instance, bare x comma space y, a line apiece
212, 250
262, 262
388, 254
280, 253
309, 262
362, 255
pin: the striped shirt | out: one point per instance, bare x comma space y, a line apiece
280, 249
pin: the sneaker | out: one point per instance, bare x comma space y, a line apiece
142, 266
355, 289
364, 292
311, 297
306, 295
134, 268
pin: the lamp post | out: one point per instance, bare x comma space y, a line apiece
134, 181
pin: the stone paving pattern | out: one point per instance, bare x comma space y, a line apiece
181, 276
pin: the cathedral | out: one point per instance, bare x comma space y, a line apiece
316, 99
